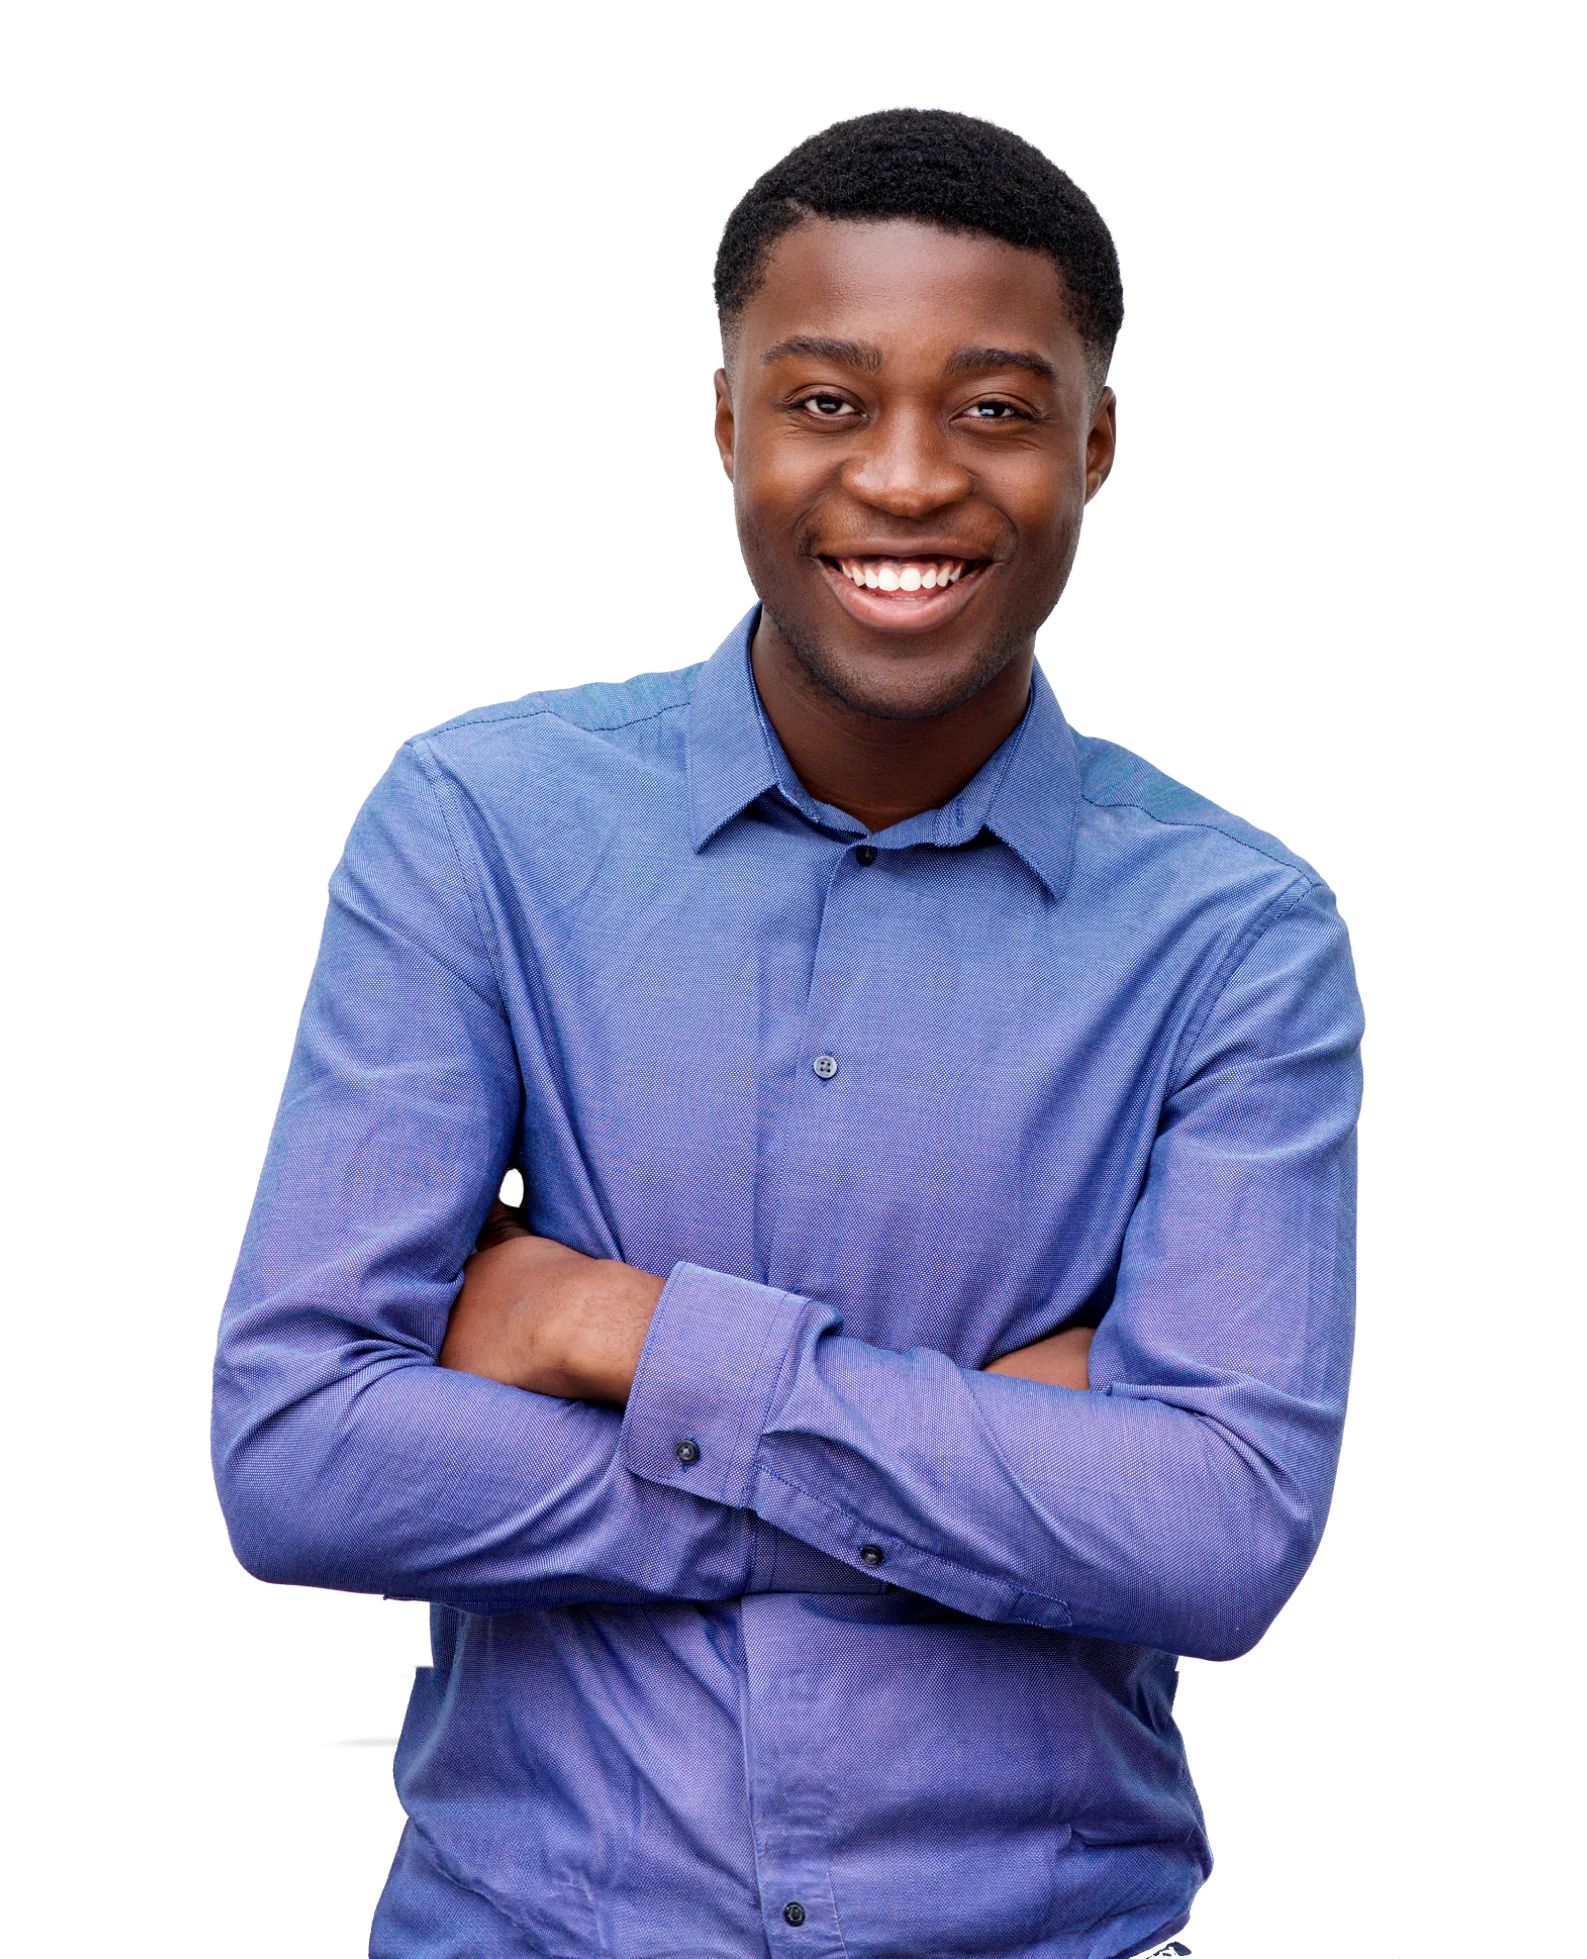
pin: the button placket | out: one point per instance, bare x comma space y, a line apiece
806, 1120
794, 1804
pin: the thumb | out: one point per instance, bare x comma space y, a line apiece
508, 1209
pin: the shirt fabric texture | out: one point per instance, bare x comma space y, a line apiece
882, 1666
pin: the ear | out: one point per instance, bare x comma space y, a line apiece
1102, 440
724, 422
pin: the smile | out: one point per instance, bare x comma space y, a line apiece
903, 595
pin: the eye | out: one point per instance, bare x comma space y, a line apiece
828, 408
996, 411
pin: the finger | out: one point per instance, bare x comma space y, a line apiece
508, 1209
500, 1224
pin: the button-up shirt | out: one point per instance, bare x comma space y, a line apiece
830, 1644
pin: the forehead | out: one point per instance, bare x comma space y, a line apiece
899, 283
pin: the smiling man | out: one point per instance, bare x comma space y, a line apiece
909, 483
930, 1309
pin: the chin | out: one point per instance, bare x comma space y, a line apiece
892, 685
917, 697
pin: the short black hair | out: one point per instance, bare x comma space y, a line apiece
943, 169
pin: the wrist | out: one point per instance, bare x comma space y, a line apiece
602, 1341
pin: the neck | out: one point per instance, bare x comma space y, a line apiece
877, 769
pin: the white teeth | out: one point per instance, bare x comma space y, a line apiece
903, 575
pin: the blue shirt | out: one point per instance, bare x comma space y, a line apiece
831, 1645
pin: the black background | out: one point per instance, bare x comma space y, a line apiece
459, 445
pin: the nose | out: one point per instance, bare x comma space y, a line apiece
906, 466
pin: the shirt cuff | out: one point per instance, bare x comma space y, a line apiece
705, 1381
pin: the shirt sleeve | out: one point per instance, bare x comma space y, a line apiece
1178, 1503
344, 1455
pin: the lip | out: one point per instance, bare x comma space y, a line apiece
904, 612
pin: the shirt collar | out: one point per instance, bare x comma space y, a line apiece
1027, 794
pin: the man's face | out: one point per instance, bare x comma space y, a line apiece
912, 434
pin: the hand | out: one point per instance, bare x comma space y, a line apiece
538, 1315
1059, 1360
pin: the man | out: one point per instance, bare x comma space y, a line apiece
866, 1038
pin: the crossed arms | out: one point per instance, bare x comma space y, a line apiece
1175, 1505
542, 1317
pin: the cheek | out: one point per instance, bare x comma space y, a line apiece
775, 492
779, 486
1047, 508
1047, 524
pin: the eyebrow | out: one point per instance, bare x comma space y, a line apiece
981, 360
861, 354
850, 353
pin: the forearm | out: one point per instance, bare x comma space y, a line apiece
1062, 1360
397, 1476
346, 1456
1148, 1518
535, 1314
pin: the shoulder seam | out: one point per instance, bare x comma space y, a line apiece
487, 717
1192, 823
436, 782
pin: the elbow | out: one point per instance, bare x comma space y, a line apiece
1247, 1582
276, 1499
265, 1514
1229, 1640
280, 1537
317, 1484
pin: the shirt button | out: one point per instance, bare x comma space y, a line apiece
794, 1912
687, 1451
866, 854
826, 1066
871, 1554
